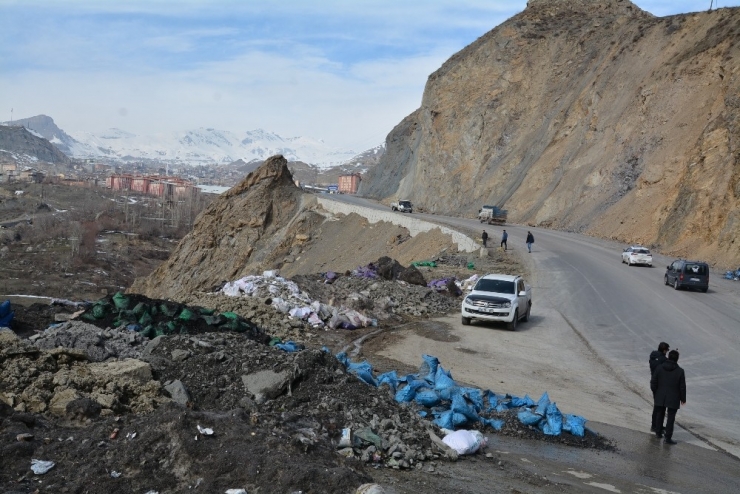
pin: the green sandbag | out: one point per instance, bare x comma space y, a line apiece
140, 309
149, 332
230, 315
186, 314
430, 264
153, 310
167, 310
471, 265
121, 301
214, 320
206, 312
99, 311
171, 327
145, 319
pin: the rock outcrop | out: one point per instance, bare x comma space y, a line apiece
17, 140
592, 116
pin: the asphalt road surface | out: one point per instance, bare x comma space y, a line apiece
620, 314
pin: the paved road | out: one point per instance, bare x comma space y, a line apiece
621, 313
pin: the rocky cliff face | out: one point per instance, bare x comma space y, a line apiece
592, 116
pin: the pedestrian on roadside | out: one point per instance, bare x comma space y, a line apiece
504, 238
484, 236
669, 390
657, 357
530, 241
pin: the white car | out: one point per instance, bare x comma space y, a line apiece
637, 255
498, 297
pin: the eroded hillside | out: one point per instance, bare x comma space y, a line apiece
588, 116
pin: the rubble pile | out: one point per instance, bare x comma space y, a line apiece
62, 381
97, 343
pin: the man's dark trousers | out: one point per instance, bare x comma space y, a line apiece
661, 413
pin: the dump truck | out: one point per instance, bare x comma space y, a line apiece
492, 215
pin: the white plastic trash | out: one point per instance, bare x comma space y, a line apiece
40, 467
370, 489
465, 442
206, 431
236, 491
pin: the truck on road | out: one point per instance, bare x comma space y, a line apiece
492, 215
498, 297
403, 206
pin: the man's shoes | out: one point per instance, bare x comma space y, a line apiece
668, 440
652, 428
659, 435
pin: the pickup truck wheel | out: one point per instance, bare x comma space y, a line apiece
526, 315
512, 325
465, 321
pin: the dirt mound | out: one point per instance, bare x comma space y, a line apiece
239, 233
98, 344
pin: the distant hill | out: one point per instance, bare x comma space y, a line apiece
46, 128
19, 145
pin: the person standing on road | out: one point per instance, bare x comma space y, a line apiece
657, 357
484, 236
669, 390
530, 241
504, 238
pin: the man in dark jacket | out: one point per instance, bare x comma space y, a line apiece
484, 236
669, 391
657, 357
530, 241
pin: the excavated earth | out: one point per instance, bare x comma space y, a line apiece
207, 404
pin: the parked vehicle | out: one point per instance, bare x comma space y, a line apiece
498, 297
637, 255
403, 206
687, 274
492, 215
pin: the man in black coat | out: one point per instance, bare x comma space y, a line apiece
669, 391
484, 236
657, 357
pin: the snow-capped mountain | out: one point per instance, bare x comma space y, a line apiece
195, 147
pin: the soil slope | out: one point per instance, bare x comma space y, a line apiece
586, 116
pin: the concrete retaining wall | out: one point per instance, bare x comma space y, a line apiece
413, 224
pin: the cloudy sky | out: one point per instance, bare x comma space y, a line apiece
345, 71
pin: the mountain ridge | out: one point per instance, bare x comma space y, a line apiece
205, 145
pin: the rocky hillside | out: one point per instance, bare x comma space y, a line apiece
592, 116
17, 144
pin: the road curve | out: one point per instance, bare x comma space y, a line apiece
622, 313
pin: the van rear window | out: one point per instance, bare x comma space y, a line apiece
699, 269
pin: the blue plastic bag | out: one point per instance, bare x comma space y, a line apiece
554, 422
495, 424
527, 417
521, 402
389, 378
290, 347
444, 420
492, 400
443, 380
408, 392
6, 315
542, 404
460, 405
427, 397
575, 424
475, 396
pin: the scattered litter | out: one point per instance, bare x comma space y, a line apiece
40, 467
115, 474
236, 491
6, 315
206, 431
114, 434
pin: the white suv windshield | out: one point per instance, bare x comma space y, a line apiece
497, 286
641, 251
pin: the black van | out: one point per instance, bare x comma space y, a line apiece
687, 274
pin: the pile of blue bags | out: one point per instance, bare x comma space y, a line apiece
6, 315
733, 275
454, 406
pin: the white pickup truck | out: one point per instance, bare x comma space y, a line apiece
498, 297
